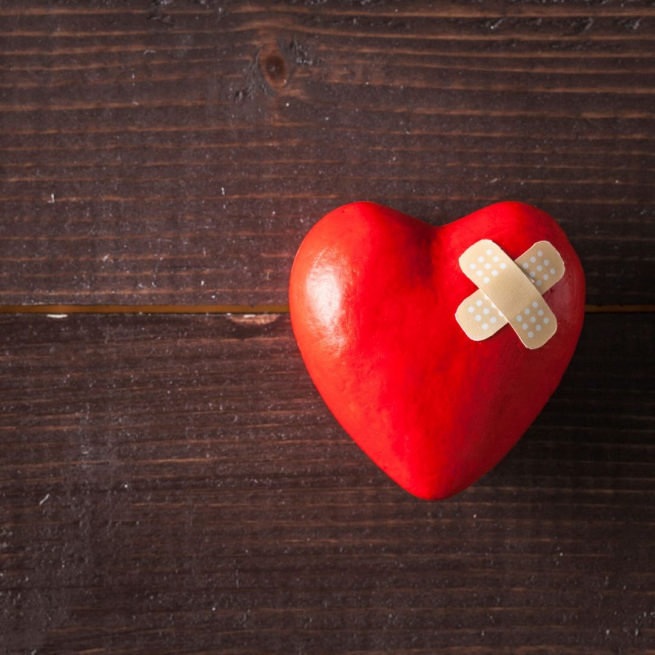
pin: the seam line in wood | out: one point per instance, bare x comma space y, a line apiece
144, 309
235, 309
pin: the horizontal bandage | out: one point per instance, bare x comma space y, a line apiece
510, 292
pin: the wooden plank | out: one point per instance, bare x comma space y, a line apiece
175, 484
177, 152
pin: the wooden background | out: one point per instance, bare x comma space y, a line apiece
170, 481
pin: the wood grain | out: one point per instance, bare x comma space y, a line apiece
177, 152
175, 484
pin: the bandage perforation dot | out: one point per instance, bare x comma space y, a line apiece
510, 292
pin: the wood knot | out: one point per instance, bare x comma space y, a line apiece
273, 66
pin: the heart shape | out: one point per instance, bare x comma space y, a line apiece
373, 297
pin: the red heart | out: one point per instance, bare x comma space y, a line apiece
373, 297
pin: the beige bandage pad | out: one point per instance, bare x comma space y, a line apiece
510, 289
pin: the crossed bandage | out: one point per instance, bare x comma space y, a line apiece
510, 292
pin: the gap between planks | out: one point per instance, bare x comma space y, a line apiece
62, 310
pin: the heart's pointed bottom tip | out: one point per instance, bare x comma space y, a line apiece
433, 497
433, 492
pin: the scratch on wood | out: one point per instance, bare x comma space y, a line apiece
253, 319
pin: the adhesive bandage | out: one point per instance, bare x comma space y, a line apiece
510, 292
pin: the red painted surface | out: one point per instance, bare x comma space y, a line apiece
373, 297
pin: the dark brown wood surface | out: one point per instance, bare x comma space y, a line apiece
177, 151
175, 484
